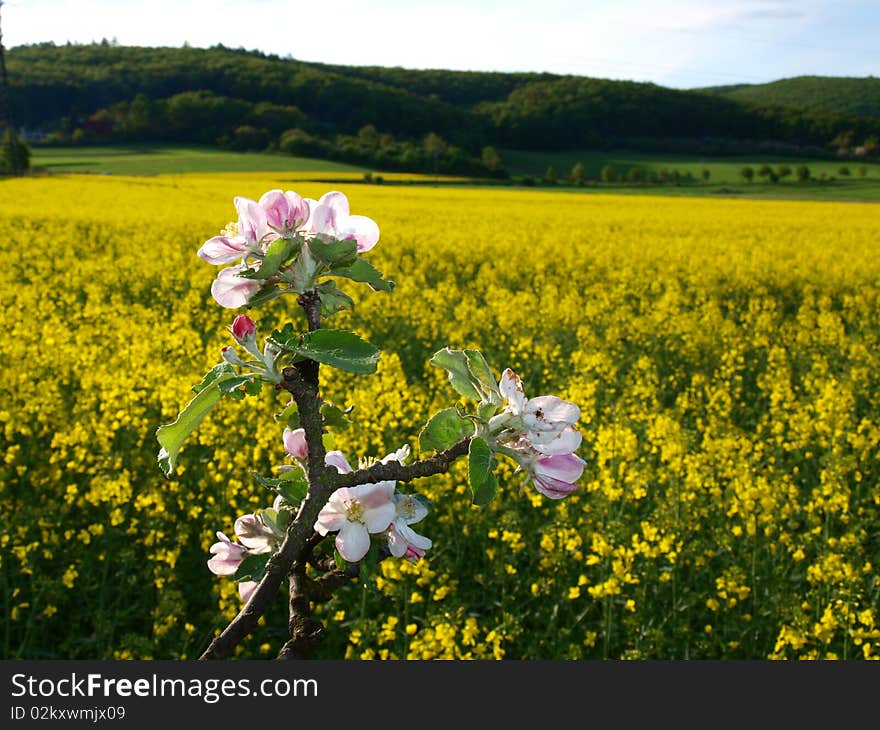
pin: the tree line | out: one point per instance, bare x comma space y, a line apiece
431, 121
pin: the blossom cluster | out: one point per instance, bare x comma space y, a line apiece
277, 215
354, 513
539, 434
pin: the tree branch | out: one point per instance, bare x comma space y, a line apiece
395, 471
302, 382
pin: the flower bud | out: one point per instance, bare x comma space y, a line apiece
243, 327
231, 356
295, 443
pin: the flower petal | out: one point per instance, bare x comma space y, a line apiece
400, 455
554, 488
222, 250
565, 442
371, 496
227, 556
246, 589
255, 535
252, 222
353, 541
332, 515
362, 229
337, 460
232, 291
295, 443
565, 467
511, 387
414, 538
552, 410
377, 519
396, 543
409, 509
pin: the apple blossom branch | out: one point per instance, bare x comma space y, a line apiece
301, 380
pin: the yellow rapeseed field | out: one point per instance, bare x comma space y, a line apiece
725, 355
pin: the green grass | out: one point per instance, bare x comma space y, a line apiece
171, 159
724, 181
724, 174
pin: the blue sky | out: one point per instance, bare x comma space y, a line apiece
678, 43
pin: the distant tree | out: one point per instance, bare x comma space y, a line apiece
844, 140
139, 119
435, 146
248, 138
705, 173
609, 174
578, 174
492, 160
765, 171
748, 173
663, 175
635, 174
863, 171
368, 137
15, 156
844, 171
802, 173
783, 171
550, 176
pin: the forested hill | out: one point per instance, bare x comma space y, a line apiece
842, 94
391, 118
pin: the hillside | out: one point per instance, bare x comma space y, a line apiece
386, 118
841, 94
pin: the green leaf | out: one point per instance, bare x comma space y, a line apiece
334, 417
211, 377
289, 416
253, 567
333, 299
445, 428
335, 253
276, 254
302, 273
275, 519
363, 271
456, 362
172, 435
341, 563
291, 485
482, 377
337, 348
228, 385
266, 294
253, 386
481, 465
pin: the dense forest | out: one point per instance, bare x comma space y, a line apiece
842, 94
390, 118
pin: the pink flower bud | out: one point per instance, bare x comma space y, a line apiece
295, 443
243, 327
230, 355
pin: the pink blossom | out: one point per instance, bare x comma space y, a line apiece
285, 212
545, 422
355, 513
223, 249
295, 443
554, 475
243, 327
330, 219
246, 589
232, 291
227, 556
403, 541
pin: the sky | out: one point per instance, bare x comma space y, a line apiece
675, 43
